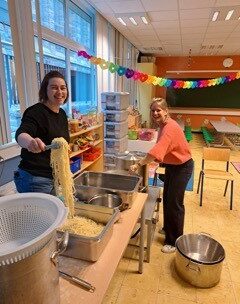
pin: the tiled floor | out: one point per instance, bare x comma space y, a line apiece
159, 283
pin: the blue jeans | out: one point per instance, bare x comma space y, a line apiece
26, 182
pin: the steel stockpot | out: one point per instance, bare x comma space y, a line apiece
199, 259
34, 279
126, 159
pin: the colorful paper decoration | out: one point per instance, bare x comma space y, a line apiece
151, 79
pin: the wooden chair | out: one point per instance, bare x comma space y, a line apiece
216, 154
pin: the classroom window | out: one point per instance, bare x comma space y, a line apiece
10, 107
52, 14
82, 90
79, 26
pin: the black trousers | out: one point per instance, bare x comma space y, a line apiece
175, 183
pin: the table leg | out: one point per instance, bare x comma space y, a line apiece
141, 246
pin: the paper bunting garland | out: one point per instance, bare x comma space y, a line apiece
151, 79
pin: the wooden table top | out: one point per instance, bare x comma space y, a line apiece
100, 273
225, 126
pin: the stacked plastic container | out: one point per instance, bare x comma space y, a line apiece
114, 106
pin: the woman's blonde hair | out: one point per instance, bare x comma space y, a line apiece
161, 103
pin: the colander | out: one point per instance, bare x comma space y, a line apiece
27, 223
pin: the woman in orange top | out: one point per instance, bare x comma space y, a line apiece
173, 151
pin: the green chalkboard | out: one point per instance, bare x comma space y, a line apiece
219, 96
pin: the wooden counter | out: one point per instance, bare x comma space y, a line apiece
100, 273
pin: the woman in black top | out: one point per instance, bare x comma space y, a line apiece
40, 124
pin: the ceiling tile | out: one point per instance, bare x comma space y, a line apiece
160, 5
128, 7
203, 13
220, 28
167, 31
168, 36
189, 4
165, 24
194, 22
103, 8
163, 15
222, 24
149, 38
227, 3
217, 35
193, 30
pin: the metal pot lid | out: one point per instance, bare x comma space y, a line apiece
130, 155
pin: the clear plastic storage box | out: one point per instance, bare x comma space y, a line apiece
115, 100
115, 129
115, 145
115, 116
109, 159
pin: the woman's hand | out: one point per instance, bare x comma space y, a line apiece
36, 145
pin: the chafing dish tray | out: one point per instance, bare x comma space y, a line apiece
90, 248
126, 186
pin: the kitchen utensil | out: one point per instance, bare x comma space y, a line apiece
126, 186
28, 248
199, 259
52, 146
106, 200
78, 281
28, 221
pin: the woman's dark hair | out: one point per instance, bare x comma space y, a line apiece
43, 88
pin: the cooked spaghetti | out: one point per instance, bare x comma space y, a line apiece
63, 180
82, 226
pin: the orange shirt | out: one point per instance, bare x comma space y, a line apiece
171, 147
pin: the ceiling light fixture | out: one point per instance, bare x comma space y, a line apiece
229, 14
121, 21
144, 20
133, 20
215, 15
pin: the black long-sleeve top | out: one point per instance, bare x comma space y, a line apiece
40, 121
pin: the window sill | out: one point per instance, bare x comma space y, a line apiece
10, 150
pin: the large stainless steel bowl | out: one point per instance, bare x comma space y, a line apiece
199, 259
107, 200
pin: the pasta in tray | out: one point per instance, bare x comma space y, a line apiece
63, 180
82, 226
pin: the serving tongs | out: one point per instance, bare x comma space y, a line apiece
52, 146
78, 281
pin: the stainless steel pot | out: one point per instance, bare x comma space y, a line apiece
107, 200
34, 279
199, 259
126, 159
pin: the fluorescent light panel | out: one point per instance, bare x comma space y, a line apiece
144, 20
229, 14
121, 21
215, 15
133, 20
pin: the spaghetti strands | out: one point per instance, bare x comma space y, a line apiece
63, 181
82, 226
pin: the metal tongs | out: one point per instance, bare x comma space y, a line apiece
78, 281
52, 146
